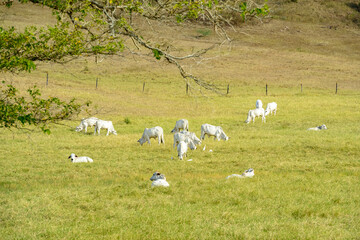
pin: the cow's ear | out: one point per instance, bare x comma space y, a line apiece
76, 156
69, 157
157, 173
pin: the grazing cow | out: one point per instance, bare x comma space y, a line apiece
322, 127
270, 108
181, 124
182, 149
104, 124
255, 113
85, 122
215, 131
259, 103
155, 132
76, 159
159, 180
184, 135
248, 173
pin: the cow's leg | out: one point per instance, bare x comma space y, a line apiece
85, 128
108, 131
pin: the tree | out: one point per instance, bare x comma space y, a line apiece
17, 112
108, 27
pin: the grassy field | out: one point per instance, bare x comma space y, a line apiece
306, 184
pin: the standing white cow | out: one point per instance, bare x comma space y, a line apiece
182, 149
271, 108
256, 113
259, 103
184, 135
181, 124
104, 124
155, 132
86, 122
215, 131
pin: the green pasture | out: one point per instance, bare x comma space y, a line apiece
306, 184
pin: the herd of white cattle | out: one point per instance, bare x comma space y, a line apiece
183, 138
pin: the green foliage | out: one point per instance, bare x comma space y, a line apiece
127, 120
18, 112
157, 54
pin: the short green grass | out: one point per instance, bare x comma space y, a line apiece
306, 184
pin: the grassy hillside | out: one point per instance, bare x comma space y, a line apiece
306, 184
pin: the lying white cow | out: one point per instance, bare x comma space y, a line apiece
215, 131
259, 103
155, 132
248, 173
322, 127
255, 113
271, 108
181, 124
104, 124
86, 122
184, 135
159, 180
76, 159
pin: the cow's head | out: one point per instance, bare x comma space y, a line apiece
323, 127
223, 136
141, 141
157, 176
78, 129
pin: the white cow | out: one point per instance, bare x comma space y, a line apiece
155, 132
85, 122
270, 108
182, 149
259, 103
104, 124
322, 127
248, 173
215, 131
76, 159
181, 124
184, 135
256, 113
159, 180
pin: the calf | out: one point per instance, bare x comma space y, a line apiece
85, 122
181, 124
270, 108
76, 159
104, 124
322, 127
184, 135
215, 131
155, 132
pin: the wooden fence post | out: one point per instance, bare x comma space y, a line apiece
336, 88
228, 89
143, 86
187, 88
266, 89
97, 79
